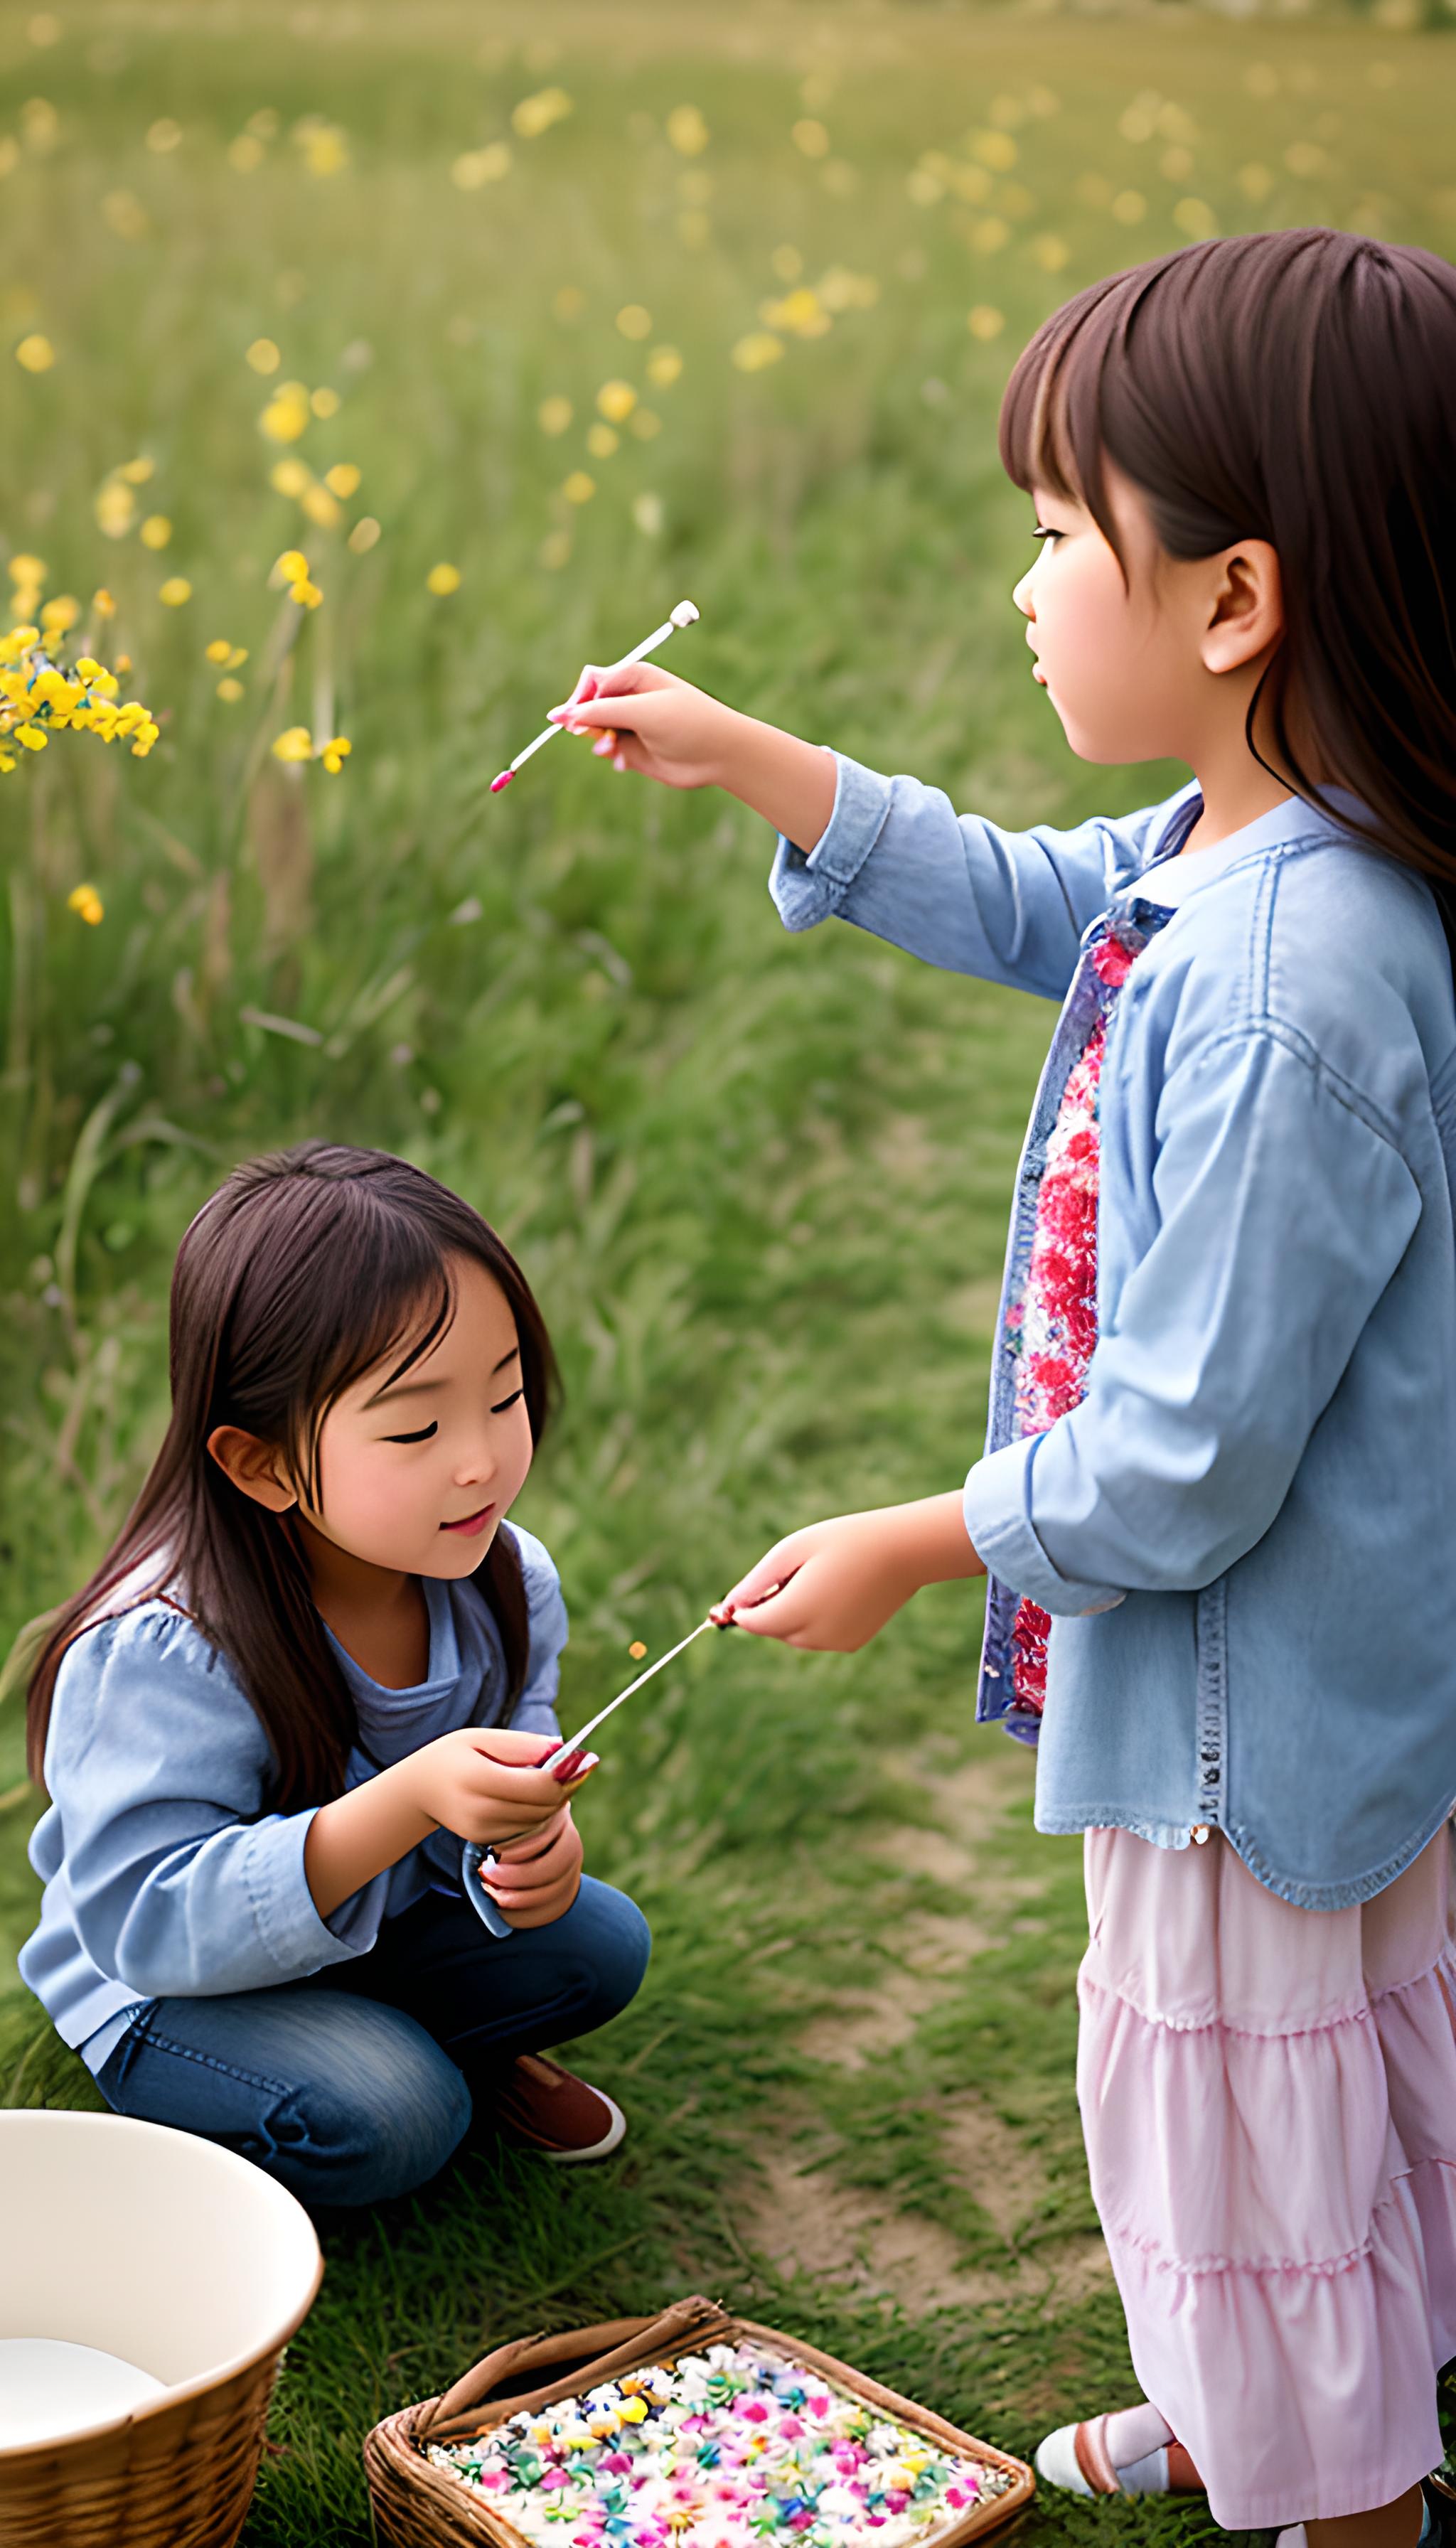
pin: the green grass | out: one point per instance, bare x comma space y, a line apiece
760, 1184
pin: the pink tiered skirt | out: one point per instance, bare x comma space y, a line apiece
1269, 2102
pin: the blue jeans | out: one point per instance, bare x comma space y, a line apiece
357, 2083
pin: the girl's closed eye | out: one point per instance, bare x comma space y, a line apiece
504, 1404
1047, 531
425, 1433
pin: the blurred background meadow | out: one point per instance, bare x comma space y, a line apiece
515, 325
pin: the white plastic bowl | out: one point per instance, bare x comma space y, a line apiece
177, 2257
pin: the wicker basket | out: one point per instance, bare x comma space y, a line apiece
419, 2505
176, 2256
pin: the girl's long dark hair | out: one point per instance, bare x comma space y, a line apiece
1300, 388
303, 1272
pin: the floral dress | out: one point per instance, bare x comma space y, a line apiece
1051, 1323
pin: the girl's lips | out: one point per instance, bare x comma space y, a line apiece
471, 1524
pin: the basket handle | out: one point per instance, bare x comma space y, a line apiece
596, 2354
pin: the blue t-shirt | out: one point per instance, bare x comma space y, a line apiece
166, 1873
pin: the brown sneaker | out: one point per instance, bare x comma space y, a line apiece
545, 2108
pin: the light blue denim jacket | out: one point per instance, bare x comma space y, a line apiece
167, 1876
1246, 1531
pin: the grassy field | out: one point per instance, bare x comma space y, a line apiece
780, 260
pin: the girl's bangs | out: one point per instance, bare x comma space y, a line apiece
401, 1302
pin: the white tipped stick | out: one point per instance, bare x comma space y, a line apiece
565, 1750
682, 617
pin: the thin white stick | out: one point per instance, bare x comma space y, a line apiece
682, 617
564, 1751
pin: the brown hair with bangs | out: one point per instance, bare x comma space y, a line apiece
1298, 387
304, 1271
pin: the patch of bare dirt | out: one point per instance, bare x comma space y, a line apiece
868, 2024
802, 2219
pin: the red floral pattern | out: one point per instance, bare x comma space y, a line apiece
1052, 1328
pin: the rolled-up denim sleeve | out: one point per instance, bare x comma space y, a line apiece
1283, 1214
181, 1884
898, 860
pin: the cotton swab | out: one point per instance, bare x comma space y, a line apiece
682, 617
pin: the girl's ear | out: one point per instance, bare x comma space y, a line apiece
255, 1468
1248, 613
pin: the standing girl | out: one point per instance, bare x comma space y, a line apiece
1220, 1489
317, 1662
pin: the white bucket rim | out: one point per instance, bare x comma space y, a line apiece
64, 2119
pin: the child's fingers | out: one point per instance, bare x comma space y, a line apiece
770, 1575
780, 1615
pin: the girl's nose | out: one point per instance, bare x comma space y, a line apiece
1021, 595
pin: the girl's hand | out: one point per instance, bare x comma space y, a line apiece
482, 1783
647, 720
830, 1588
841, 1581
535, 1880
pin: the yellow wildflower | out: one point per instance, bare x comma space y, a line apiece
116, 507
229, 690
364, 534
634, 322
536, 115
306, 593
615, 400
60, 614
554, 415
754, 353
102, 603
601, 442
294, 744
218, 652
325, 402
663, 366
155, 531
27, 569
1050, 253
286, 416
984, 323
320, 507
687, 131
994, 150
175, 592
238, 656
34, 353
137, 472
810, 136
86, 903
32, 736
1197, 217
291, 568
578, 489
443, 579
343, 479
263, 356
1128, 207
475, 169
333, 755
290, 477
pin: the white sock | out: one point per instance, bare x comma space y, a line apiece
1133, 2433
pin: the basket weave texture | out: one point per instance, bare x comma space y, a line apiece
419, 2505
178, 2476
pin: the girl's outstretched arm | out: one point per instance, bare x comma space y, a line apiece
830, 1588
646, 719
887, 853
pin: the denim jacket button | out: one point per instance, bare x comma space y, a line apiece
1199, 1834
